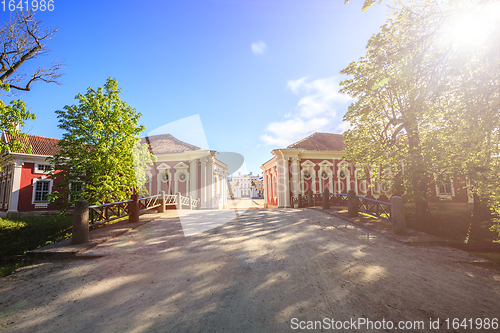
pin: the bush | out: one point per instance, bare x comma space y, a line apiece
20, 235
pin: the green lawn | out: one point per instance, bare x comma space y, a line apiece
18, 236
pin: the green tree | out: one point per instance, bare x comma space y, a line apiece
12, 116
100, 157
425, 100
22, 39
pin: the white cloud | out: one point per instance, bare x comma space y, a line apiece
315, 112
259, 47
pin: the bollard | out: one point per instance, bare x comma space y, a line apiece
291, 202
311, 199
133, 209
326, 199
398, 216
161, 208
352, 204
198, 206
190, 202
179, 203
299, 202
80, 223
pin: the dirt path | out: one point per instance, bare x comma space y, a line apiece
254, 274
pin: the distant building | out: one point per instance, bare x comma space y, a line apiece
245, 186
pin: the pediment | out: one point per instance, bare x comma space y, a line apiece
163, 166
181, 165
326, 163
307, 164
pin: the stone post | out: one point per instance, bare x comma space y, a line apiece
300, 203
398, 216
179, 204
352, 204
80, 223
190, 202
326, 198
161, 208
291, 202
133, 209
311, 199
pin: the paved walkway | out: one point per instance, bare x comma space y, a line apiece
265, 271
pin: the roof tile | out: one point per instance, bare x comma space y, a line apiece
167, 144
40, 145
321, 142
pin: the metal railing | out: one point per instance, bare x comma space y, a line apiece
150, 202
368, 206
374, 207
108, 212
334, 198
338, 199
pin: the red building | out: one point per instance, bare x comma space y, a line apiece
317, 161
24, 183
180, 167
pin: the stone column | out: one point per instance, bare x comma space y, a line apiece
295, 176
193, 175
203, 187
398, 216
80, 233
14, 192
161, 208
286, 179
179, 204
311, 199
352, 204
190, 202
133, 209
326, 199
299, 201
210, 182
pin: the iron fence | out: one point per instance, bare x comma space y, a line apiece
374, 207
108, 212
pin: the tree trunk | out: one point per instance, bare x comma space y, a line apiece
419, 178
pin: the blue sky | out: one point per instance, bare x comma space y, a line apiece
260, 74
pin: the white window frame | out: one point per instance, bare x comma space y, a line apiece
41, 204
445, 196
44, 172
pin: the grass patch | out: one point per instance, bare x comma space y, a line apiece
18, 236
454, 225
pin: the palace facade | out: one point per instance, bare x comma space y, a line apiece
317, 161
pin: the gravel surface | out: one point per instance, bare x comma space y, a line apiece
265, 271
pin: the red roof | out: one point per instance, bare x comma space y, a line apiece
167, 144
40, 145
321, 142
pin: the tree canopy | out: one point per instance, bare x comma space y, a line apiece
22, 39
100, 157
428, 97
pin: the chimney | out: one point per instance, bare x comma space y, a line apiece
250, 173
239, 173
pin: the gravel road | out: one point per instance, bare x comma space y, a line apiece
275, 270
